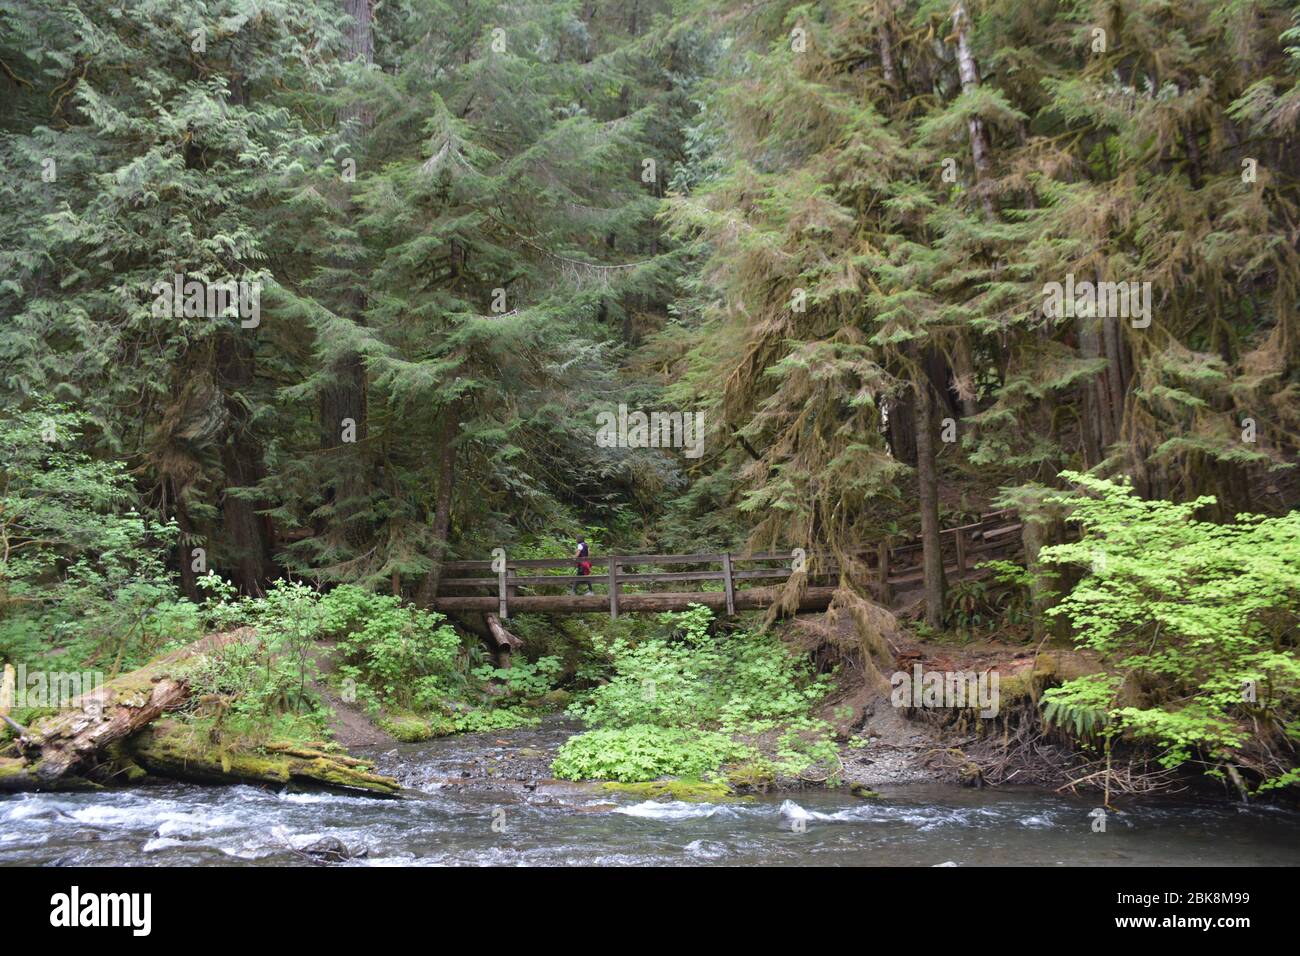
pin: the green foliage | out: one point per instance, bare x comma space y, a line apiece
1204, 612
412, 728
497, 718
715, 688
82, 577
640, 752
248, 686
997, 605
1083, 705
266, 680
405, 655
741, 681
289, 620
827, 230
524, 679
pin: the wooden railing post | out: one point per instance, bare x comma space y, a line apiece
613, 588
882, 561
961, 552
730, 587
503, 595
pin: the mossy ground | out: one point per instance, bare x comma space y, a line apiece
757, 775
412, 728
690, 791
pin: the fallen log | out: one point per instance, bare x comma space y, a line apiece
60, 752
170, 748
60, 747
506, 643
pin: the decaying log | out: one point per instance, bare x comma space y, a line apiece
506, 643
170, 748
58, 752
58, 747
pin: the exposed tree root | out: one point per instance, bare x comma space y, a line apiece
1132, 777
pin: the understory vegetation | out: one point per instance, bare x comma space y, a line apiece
694, 701
1194, 621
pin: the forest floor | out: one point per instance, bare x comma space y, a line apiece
350, 726
885, 743
880, 744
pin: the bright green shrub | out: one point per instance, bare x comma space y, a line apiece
644, 752
1205, 613
677, 706
398, 650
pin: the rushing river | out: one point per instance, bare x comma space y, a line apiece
467, 814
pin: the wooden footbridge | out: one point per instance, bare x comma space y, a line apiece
627, 582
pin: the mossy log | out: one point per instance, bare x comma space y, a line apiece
57, 750
172, 749
16, 775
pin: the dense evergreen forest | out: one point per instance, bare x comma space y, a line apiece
303, 301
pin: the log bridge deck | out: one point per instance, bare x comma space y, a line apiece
626, 582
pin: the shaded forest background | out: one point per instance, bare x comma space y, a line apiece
478, 224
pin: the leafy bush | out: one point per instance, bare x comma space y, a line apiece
82, 576
244, 689
645, 752
268, 677
400, 652
1082, 705
497, 718
524, 679
740, 682
1202, 612
677, 705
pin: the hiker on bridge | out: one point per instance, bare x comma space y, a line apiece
582, 558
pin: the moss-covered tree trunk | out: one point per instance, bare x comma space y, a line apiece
67, 750
344, 398
172, 749
449, 432
927, 474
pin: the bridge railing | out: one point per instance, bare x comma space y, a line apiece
621, 572
892, 567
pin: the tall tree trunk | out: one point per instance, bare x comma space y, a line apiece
1116, 380
964, 375
902, 427
1089, 435
345, 396
449, 432
189, 578
1041, 526
248, 534
927, 474
1099, 419
342, 400
970, 81
887, 63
